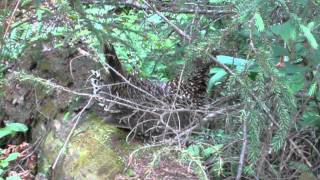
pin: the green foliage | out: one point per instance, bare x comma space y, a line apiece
260, 30
287, 31
5, 162
217, 74
307, 33
208, 147
199, 153
12, 128
66, 116
13, 178
259, 22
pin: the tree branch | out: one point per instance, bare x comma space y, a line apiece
173, 7
176, 28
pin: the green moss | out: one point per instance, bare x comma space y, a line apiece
49, 109
96, 151
44, 65
93, 155
50, 150
97, 154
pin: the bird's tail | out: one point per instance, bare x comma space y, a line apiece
113, 61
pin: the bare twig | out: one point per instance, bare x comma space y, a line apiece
11, 18
174, 101
251, 44
83, 54
243, 150
301, 153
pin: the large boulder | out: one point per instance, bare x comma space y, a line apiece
96, 151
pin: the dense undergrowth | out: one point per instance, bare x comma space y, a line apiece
274, 70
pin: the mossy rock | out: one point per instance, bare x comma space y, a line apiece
96, 151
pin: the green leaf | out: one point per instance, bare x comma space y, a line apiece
299, 165
194, 150
219, 74
249, 170
4, 132
240, 64
12, 128
12, 156
278, 50
4, 164
66, 116
211, 150
286, 31
17, 127
148, 67
216, 1
26, 3
155, 19
312, 89
311, 39
295, 82
311, 25
13, 178
259, 22
310, 118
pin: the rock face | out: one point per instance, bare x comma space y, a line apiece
96, 149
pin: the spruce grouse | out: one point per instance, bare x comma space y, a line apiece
149, 108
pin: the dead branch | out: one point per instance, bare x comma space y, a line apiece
243, 150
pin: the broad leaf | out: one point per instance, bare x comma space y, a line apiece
12, 128
17, 127
13, 178
286, 31
216, 1
66, 116
311, 25
311, 39
12, 156
4, 164
217, 77
240, 64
